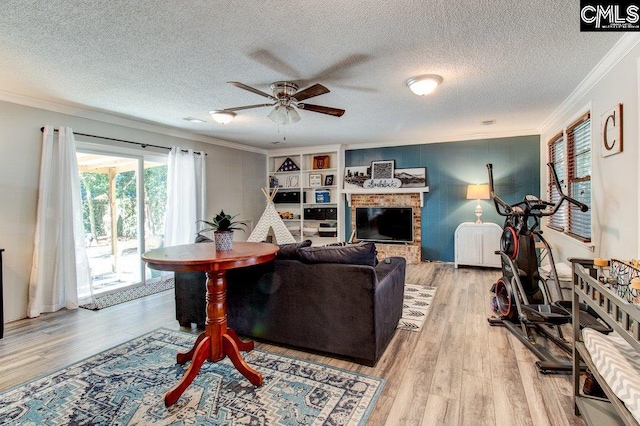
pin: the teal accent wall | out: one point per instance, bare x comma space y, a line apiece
450, 168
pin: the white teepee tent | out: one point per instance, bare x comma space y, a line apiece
270, 219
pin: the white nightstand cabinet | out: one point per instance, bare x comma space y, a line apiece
476, 244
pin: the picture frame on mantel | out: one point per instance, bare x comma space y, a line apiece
382, 169
415, 177
355, 176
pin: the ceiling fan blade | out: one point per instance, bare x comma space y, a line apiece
341, 68
251, 89
269, 60
248, 107
336, 112
310, 92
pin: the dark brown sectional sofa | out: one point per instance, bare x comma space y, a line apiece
334, 299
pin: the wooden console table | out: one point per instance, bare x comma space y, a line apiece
218, 340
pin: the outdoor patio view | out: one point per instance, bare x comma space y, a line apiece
110, 187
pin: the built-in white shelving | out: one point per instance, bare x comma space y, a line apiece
320, 171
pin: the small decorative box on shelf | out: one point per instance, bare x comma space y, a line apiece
328, 230
323, 196
321, 162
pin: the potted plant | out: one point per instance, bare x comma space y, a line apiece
223, 226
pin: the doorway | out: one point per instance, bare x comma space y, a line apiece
123, 203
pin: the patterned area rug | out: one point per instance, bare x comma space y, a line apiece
415, 308
126, 295
126, 386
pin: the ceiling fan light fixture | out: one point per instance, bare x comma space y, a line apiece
282, 114
222, 116
424, 84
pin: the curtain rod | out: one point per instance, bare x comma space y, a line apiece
143, 145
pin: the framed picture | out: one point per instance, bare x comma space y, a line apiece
412, 178
328, 180
321, 162
315, 180
288, 166
291, 181
382, 169
354, 177
612, 131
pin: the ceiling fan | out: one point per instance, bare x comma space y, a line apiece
286, 99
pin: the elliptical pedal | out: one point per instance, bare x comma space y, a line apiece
551, 314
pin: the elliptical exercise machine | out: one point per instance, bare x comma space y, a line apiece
521, 297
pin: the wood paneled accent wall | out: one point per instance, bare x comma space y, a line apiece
410, 251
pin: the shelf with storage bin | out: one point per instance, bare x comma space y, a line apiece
320, 163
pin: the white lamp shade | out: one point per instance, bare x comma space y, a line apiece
222, 116
424, 84
478, 192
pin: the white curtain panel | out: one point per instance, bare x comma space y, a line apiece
60, 274
186, 188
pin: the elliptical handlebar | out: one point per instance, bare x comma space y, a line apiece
583, 207
499, 202
505, 209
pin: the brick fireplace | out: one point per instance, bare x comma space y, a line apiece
411, 251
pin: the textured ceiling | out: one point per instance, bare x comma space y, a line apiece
160, 61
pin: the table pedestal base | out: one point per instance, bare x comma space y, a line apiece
215, 343
231, 345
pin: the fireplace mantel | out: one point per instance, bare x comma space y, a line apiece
349, 191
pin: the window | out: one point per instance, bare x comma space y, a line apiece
557, 155
570, 151
124, 198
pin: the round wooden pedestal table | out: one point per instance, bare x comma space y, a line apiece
218, 340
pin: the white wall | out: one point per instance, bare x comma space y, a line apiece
234, 179
614, 178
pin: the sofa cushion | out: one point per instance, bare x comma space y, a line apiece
352, 254
290, 251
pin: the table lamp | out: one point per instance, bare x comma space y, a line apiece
478, 192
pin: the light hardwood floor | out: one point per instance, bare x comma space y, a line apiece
456, 371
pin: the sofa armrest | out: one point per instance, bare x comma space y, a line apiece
388, 299
391, 265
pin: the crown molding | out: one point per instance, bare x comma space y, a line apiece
91, 114
316, 149
621, 49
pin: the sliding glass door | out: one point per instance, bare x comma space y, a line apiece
124, 198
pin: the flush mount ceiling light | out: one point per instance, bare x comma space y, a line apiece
424, 84
222, 116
